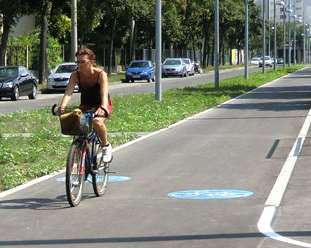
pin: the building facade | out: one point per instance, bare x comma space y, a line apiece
297, 7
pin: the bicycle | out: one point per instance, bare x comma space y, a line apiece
85, 158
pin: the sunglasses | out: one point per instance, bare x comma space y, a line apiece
82, 61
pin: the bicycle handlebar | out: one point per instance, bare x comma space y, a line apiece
53, 110
56, 112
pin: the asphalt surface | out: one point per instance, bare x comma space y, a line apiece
47, 100
241, 144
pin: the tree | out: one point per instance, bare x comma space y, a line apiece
11, 13
43, 65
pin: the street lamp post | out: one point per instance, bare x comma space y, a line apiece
216, 48
304, 41
74, 29
284, 36
246, 41
274, 34
269, 39
294, 41
263, 35
289, 33
158, 90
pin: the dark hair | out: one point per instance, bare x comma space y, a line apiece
88, 52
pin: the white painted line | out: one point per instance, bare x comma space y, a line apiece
28, 184
281, 183
264, 226
275, 197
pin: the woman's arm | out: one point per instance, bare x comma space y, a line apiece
69, 91
103, 82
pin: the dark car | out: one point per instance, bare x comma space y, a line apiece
139, 70
16, 81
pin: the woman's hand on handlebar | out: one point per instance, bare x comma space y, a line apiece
100, 113
56, 110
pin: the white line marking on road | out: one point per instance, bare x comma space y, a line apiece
278, 190
28, 184
264, 226
280, 185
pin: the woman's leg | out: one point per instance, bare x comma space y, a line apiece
100, 129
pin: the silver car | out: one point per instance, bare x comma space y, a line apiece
174, 67
59, 78
190, 66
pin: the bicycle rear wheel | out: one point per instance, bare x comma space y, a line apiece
75, 170
101, 170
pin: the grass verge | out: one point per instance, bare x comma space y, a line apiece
24, 158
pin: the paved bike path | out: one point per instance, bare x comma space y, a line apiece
239, 145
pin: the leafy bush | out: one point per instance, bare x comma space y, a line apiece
17, 50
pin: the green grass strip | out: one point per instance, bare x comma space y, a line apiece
25, 158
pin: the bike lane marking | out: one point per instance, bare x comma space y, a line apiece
275, 197
210, 194
111, 179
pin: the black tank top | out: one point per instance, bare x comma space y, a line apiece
90, 96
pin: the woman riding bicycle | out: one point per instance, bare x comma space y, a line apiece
93, 84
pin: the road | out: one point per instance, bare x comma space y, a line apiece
240, 145
47, 100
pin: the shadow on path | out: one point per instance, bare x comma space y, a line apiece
148, 238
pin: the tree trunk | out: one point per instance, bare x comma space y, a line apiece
111, 46
205, 50
4, 40
43, 43
171, 51
223, 54
194, 56
132, 40
230, 56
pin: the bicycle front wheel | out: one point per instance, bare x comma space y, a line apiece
101, 170
75, 170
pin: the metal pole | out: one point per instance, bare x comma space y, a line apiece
263, 35
284, 37
295, 41
246, 42
74, 29
27, 57
269, 40
304, 41
158, 90
295, 17
289, 34
216, 48
308, 48
274, 34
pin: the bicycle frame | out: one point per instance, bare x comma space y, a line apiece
84, 143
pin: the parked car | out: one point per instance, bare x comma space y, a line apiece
268, 61
197, 67
279, 61
189, 66
255, 60
59, 78
174, 67
16, 81
139, 70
